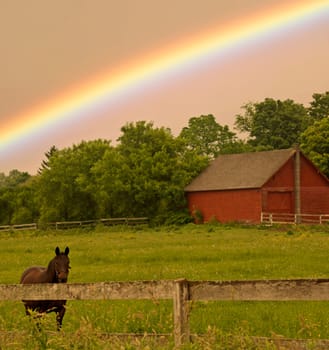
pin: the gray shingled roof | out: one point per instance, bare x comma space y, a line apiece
238, 171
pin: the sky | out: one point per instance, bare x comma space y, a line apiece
73, 70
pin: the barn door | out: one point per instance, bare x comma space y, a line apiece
278, 202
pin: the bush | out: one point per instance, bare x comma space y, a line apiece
22, 216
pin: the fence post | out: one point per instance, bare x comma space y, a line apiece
181, 312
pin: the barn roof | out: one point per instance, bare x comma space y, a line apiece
240, 171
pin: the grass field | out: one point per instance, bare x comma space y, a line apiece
195, 252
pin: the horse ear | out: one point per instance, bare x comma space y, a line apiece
67, 250
57, 251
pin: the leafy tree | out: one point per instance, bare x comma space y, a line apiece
145, 175
315, 144
17, 198
25, 205
150, 163
6, 206
208, 138
15, 178
63, 186
108, 184
319, 107
3, 180
273, 124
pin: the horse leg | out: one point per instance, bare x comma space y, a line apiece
59, 317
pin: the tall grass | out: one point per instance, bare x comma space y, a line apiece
205, 252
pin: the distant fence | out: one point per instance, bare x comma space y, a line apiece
180, 291
62, 225
289, 218
33, 226
266, 218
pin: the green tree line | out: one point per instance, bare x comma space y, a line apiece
145, 173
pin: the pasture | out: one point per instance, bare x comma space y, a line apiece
195, 252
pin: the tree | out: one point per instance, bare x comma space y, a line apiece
3, 180
147, 172
151, 162
273, 124
45, 163
17, 198
25, 206
208, 138
315, 144
6, 206
16, 178
109, 185
319, 107
63, 187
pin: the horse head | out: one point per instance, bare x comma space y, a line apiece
61, 265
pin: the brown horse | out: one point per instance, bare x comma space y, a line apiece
56, 272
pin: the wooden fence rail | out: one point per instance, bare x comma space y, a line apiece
63, 225
290, 218
33, 226
180, 291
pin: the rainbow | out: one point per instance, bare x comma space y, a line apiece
106, 87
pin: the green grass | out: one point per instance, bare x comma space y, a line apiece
205, 252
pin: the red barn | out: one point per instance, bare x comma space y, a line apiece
250, 187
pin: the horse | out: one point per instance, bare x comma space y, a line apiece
56, 272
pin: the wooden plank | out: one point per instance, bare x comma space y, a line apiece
153, 290
113, 221
137, 221
19, 227
181, 312
124, 221
25, 227
280, 290
261, 290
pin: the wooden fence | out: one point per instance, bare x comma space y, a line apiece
266, 218
33, 226
180, 291
290, 218
63, 225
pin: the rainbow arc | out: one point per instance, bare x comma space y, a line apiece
102, 89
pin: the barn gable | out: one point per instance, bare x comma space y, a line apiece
242, 187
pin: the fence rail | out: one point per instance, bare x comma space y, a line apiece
63, 225
290, 218
18, 227
180, 291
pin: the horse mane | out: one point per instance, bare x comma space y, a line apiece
51, 270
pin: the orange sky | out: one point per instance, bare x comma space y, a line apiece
47, 47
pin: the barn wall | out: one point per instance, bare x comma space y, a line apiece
310, 176
314, 190
284, 178
278, 192
227, 206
